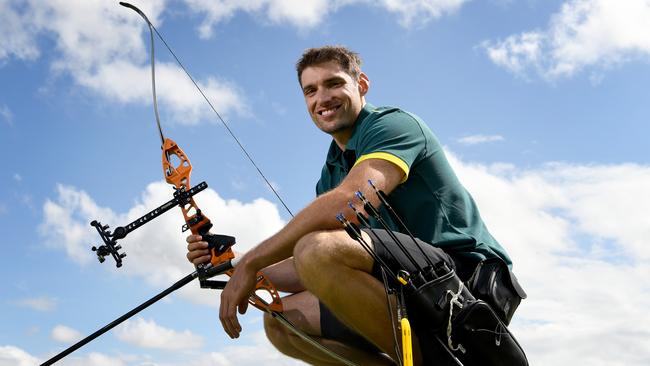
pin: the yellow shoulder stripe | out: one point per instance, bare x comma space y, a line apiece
388, 157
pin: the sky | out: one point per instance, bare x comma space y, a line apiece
542, 108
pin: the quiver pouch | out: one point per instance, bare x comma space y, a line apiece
487, 341
428, 305
494, 283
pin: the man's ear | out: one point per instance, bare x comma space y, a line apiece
363, 84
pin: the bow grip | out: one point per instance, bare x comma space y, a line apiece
219, 246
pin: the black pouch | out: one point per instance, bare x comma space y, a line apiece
494, 283
428, 305
486, 340
429, 313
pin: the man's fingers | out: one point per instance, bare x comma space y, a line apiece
197, 245
193, 238
197, 250
202, 259
243, 307
228, 318
223, 317
199, 256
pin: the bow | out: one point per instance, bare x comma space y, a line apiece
177, 170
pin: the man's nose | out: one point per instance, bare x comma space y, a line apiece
323, 95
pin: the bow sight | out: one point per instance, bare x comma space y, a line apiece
110, 247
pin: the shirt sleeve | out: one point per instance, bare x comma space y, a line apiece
395, 136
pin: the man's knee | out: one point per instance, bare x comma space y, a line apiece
313, 252
329, 252
314, 247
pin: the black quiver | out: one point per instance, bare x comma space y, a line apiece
445, 310
494, 283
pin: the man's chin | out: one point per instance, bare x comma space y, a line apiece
333, 130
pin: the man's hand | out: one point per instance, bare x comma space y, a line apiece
235, 297
237, 291
197, 250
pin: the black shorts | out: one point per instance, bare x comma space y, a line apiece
395, 259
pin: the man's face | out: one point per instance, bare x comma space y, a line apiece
334, 99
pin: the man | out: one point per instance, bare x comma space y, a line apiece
337, 295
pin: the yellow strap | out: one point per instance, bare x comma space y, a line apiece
407, 347
388, 157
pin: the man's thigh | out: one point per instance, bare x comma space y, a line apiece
385, 247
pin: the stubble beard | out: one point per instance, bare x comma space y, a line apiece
335, 128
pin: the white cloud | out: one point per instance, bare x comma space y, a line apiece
310, 14
250, 349
64, 334
132, 83
479, 139
96, 359
577, 238
18, 177
156, 251
584, 34
65, 224
17, 33
5, 113
517, 52
100, 45
148, 334
259, 351
14, 356
42, 303
419, 12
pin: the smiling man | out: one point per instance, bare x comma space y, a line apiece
337, 294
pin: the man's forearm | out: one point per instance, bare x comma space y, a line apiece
320, 214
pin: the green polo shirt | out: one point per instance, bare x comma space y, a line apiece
430, 200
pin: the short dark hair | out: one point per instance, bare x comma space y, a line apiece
349, 60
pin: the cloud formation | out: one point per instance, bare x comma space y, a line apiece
576, 235
101, 46
148, 334
583, 35
14, 356
251, 349
65, 334
17, 39
306, 15
479, 139
43, 303
5, 112
257, 351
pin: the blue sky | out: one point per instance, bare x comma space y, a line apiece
542, 107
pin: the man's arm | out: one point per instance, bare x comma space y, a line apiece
319, 215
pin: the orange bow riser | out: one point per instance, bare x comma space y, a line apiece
199, 224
